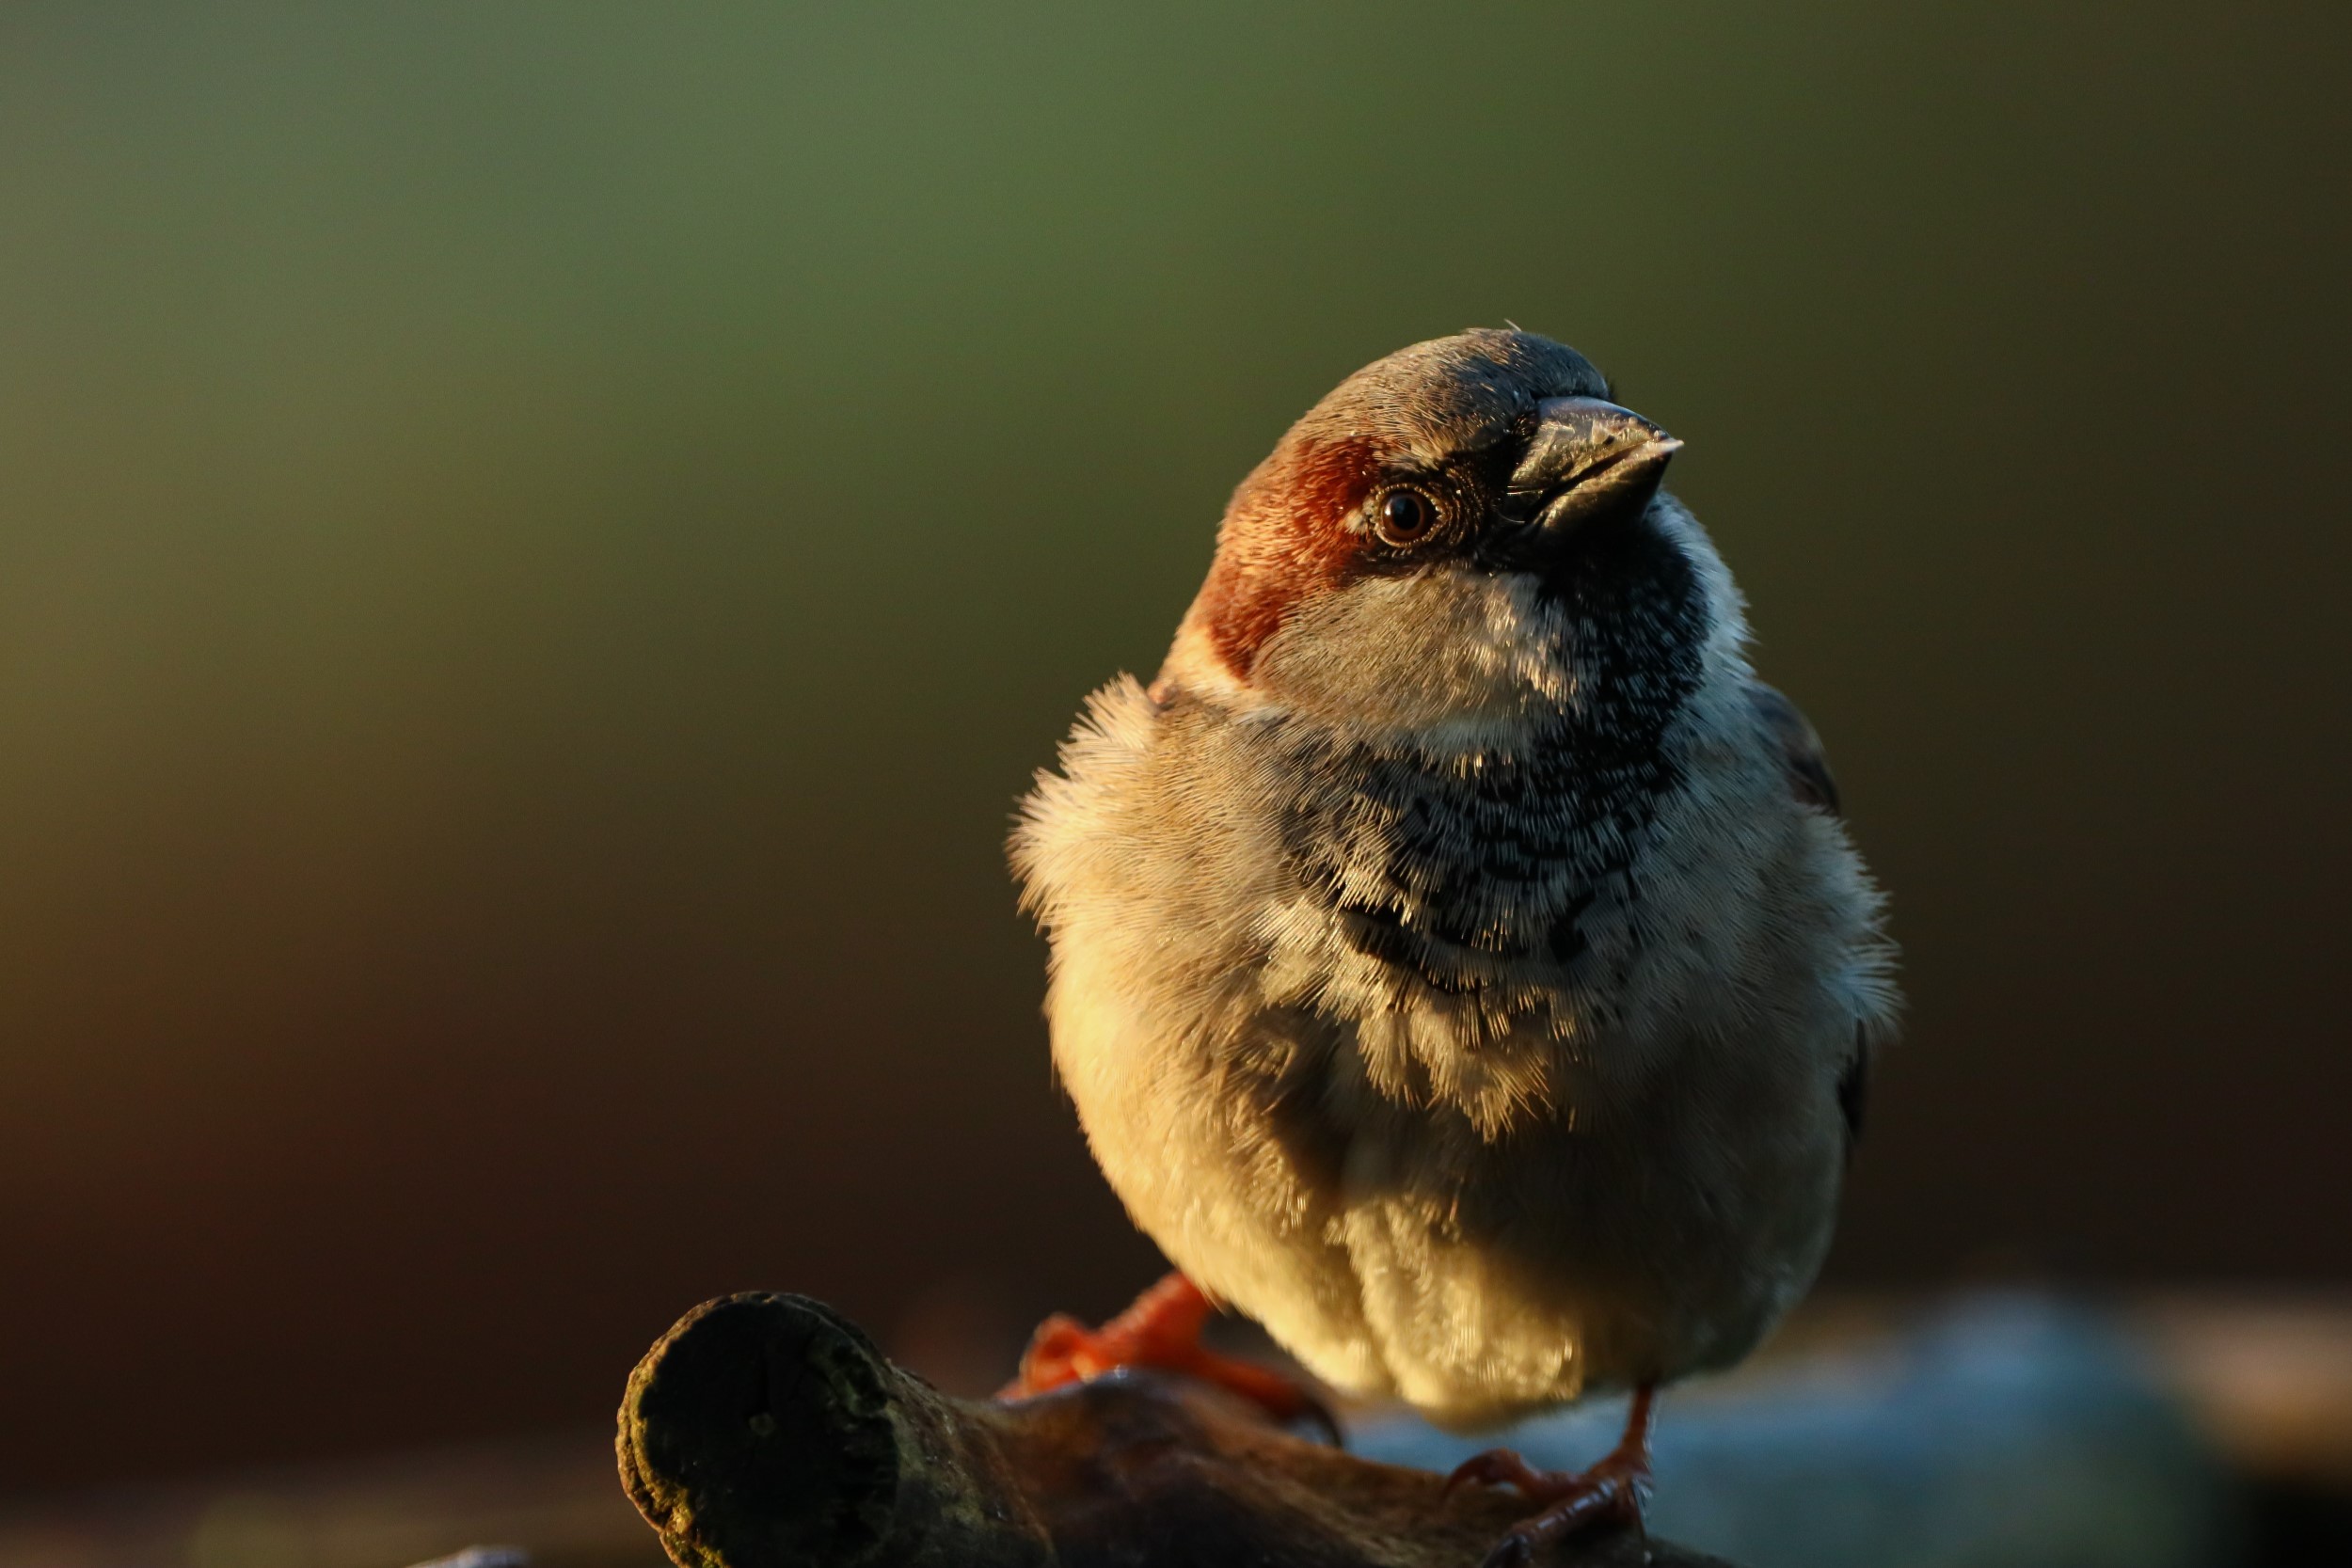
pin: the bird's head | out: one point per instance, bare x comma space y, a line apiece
1469, 531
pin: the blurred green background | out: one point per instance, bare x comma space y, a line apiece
539, 544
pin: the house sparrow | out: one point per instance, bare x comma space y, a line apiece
1458, 963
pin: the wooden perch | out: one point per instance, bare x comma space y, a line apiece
766, 1431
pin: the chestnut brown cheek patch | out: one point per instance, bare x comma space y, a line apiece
1286, 537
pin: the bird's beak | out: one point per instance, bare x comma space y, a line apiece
1587, 460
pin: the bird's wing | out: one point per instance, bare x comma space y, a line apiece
1811, 781
1800, 747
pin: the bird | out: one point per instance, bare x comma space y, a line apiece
1458, 961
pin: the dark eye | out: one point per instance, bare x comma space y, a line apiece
1404, 518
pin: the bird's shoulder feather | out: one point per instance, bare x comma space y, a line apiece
1811, 781
1801, 752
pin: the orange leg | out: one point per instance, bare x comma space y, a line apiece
1160, 1330
1612, 1492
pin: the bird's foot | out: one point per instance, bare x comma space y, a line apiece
1160, 1330
1612, 1492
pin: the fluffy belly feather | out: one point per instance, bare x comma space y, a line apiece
1396, 1250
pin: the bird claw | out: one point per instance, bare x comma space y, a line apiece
1612, 1492
1494, 1467
1316, 1413
1162, 1330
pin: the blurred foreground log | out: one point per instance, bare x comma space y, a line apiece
764, 1430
